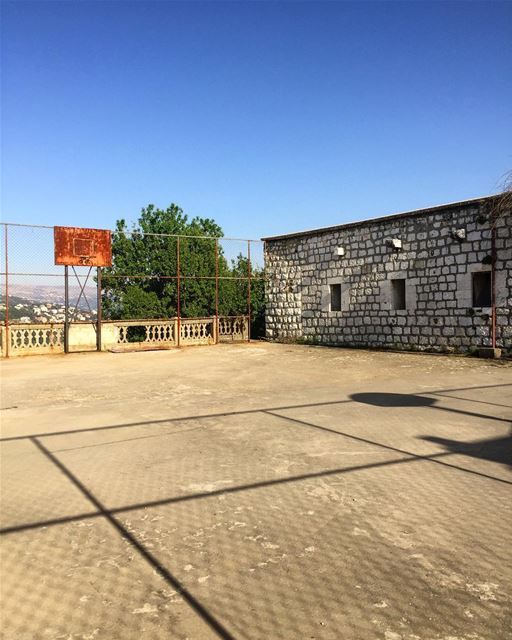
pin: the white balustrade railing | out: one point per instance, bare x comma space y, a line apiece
28, 339
197, 331
145, 332
233, 328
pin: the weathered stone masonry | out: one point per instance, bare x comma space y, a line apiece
441, 248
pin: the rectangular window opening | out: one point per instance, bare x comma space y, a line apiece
335, 297
482, 289
398, 290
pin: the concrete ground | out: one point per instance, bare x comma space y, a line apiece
257, 491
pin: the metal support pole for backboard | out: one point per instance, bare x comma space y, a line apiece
66, 309
249, 289
178, 300
98, 309
216, 290
7, 336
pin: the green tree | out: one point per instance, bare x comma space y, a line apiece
141, 283
502, 205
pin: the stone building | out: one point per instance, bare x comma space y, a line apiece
420, 280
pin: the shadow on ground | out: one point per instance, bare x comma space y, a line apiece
495, 449
393, 399
289, 524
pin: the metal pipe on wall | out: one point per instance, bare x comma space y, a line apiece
493, 283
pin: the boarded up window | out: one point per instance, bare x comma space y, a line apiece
335, 297
482, 289
398, 293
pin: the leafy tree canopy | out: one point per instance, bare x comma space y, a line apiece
145, 260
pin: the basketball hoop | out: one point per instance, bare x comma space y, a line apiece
79, 247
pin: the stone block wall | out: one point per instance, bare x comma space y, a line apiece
440, 250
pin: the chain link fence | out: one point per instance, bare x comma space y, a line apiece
154, 277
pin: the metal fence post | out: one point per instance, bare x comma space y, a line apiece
66, 309
216, 290
98, 309
249, 289
7, 336
178, 301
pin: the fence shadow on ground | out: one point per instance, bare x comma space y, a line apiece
397, 400
492, 449
497, 450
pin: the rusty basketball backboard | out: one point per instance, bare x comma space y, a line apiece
75, 246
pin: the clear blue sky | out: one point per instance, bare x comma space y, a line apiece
269, 117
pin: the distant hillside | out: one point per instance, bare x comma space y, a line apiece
27, 310
51, 294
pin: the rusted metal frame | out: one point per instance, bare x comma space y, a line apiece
216, 290
7, 336
98, 309
249, 289
493, 284
82, 247
82, 291
178, 297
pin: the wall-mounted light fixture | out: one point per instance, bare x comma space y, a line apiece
340, 251
394, 243
459, 234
